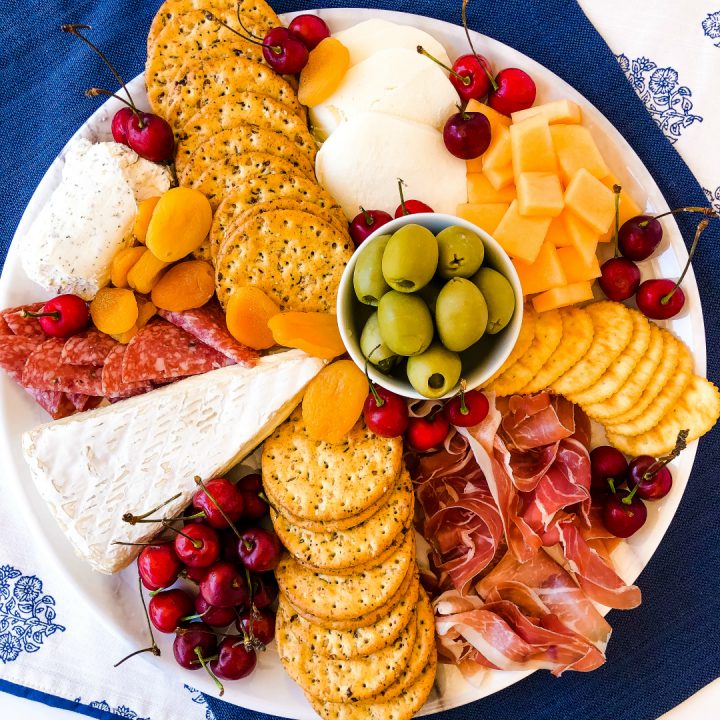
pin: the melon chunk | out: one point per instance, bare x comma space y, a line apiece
558, 111
497, 160
486, 216
628, 208
575, 266
557, 234
563, 296
582, 237
521, 237
543, 274
481, 191
532, 146
576, 149
540, 193
493, 116
591, 201
475, 165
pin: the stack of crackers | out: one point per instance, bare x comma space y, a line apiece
627, 373
354, 628
243, 141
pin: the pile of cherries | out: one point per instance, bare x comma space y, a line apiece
223, 551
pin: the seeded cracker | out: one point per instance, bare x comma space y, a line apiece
525, 338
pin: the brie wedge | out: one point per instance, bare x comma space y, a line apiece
93, 467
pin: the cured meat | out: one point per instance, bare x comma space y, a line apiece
113, 387
84, 402
27, 326
4, 327
44, 370
90, 347
56, 404
162, 351
208, 325
537, 420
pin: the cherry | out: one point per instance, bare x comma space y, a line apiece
167, 608
150, 136
193, 644
467, 135
385, 413
215, 616
367, 222
624, 516
225, 585
158, 566
250, 483
515, 91
196, 574
608, 469
469, 75
259, 549
283, 52
257, 625
235, 660
254, 506
639, 237
63, 316
310, 29
620, 278
228, 542
264, 590
198, 545
119, 124
219, 492
410, 207
467, 409
426, 433
651, 476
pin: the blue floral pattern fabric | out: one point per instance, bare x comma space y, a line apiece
121, 711
711, 27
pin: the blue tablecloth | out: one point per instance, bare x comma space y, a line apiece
660, 653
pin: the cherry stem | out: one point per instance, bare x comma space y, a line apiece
661, 462
379, 402
627, 500
698, 232
154, 649
464, 79
492, 80
55, 315
132, 519
199, 481
617, 189
242, 24
95, 91
203, 662
401, 182
249, 37
197, 544
611, 483
369, 221
75, 30
709, 212
143, 544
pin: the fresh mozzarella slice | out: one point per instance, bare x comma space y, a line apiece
361, 162
397, 82
131, 457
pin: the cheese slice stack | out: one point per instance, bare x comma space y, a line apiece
93, 467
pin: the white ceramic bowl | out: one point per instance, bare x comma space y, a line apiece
481, 361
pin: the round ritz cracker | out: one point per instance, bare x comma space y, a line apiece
360, 642
292, 256
622, 368
577, 334
325, 481
613, 327
249, 108
342, 680
525, 338
631, 391
347, 601
696, 410
338, 550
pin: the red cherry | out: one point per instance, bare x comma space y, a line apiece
167, 608
225, 585
467, 135
310, 29
651, 484
254, 507
264, 590
150, 136
410, 207
620, 278
472, 78
119, 124
226, 495
192, 640
426, 433
235, 660
196, 574
638, 237
198, 546
250, 483
284, 53
158, 566
63, 316
367, 222
257, 625
515, 91
624, 516
471, 413
607, 463
215, 616
385, 413
660, 299
259, 549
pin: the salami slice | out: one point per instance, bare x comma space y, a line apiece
208, 325
44, 370
113, 387
162, 351
27, 326
4, 327
90, 347
84, 402
56, 404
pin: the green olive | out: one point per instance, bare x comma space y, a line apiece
461, 314
499, 296
430, 294
410, 258
461, 252
373, 347
368, 279
434, 372
405, 323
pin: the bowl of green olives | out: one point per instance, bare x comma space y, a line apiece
429, 300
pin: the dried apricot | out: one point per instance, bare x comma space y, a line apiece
127, 336
179, 224
122, 263
334, 400
248, 312
142, 219
145, 272
114, 310
314, 332
324, 71
187, 285
146, 311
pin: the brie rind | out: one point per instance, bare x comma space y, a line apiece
93, 467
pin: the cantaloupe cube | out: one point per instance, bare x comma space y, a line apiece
557, 111
576, 149
582, 236
497, 160
563, 296
481, 191
521, 237
474, 165
493, 116
575, 267
557, 233
485, 215
545, 273
540, 194
591, 201
628, 208
532, 146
